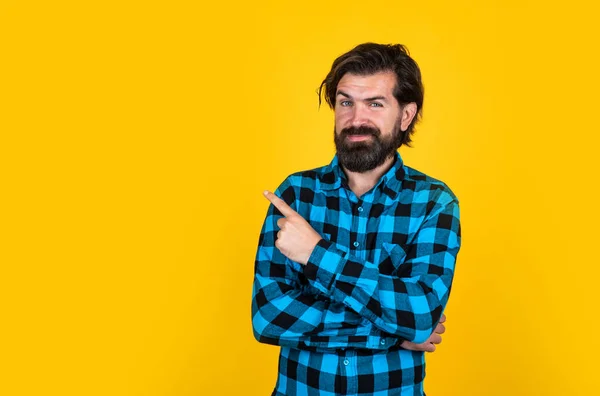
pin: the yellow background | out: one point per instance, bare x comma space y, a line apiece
137, 137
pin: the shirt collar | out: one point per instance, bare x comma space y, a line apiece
391, 182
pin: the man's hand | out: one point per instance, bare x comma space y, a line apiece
429, 345
296, 239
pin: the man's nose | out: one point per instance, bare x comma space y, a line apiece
359, 116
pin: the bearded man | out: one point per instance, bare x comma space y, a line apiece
356, 259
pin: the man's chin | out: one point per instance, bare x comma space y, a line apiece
357, 147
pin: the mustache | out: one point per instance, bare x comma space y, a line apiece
361, 130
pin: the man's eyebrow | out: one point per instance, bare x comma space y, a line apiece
366, 99
375, 98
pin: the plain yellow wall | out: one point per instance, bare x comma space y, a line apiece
137, 137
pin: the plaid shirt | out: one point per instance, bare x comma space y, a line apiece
381, 274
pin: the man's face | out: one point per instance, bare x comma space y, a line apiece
368, 120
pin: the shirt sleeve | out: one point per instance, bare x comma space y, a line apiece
409, 303
284, 312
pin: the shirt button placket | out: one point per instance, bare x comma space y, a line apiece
357, 207
360, 219
350, 369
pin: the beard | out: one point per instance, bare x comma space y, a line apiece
363, 156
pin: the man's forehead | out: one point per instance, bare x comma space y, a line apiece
381, 83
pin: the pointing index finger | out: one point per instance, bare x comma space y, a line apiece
279, 203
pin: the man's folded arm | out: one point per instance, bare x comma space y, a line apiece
409, 303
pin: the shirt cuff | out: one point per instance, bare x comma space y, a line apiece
323, 265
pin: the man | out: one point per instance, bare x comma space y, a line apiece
356, 259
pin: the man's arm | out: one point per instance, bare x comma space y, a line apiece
282, 314
408, 305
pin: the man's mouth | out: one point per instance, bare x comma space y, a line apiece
358, 138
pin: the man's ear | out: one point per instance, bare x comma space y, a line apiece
408, 113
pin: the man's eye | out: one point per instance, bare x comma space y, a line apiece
375, 104
345, 103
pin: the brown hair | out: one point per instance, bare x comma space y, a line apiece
371, 58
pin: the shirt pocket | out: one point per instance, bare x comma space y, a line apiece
392, 258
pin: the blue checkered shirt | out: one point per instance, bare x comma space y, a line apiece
381, 274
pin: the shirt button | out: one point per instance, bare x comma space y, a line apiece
382, 342
355, 244
360, 208
346, 362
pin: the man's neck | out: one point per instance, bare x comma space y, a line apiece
360, 183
